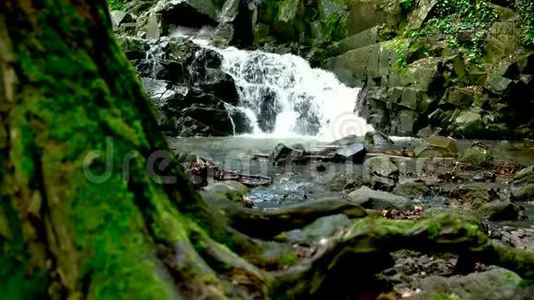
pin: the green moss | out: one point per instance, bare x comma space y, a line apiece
116, 4
525, 8
288, 259
459, 17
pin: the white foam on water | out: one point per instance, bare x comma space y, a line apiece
302, 100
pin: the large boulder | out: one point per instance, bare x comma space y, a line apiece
167, 15
522, 188
354, 152
372, 199
437, 146
183, 111
283, 154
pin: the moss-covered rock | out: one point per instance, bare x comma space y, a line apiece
437, 146
478, 155
523, 185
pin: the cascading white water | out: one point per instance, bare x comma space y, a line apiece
283, 96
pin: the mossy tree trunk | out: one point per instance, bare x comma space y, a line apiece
66, 90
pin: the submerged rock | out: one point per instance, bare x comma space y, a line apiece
372, 199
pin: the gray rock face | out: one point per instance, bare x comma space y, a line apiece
369, 198
523, 185
491, 285
191, 94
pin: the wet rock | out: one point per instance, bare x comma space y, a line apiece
348, 140
228, 191
468, 124
381, 173
372, 199
191, 112
134, 48
345, 182
478, 155
522, 188
484, 176
437, 146
411, 189
460, 97
354, 152
121, 20
474, 195
283, 154
494, 284
522, 238
376, 138
322, 228
500, 211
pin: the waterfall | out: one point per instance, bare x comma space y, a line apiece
283, 96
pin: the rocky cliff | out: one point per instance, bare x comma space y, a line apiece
461, 67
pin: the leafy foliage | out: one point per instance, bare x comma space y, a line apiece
407, 5
525, 9
116, 4
456, 18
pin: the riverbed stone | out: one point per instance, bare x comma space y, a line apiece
372, 199
437, 146
411, 189
478, 155
522, 188
494, 284
321, 228
381, 172
499, 211
354, 152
